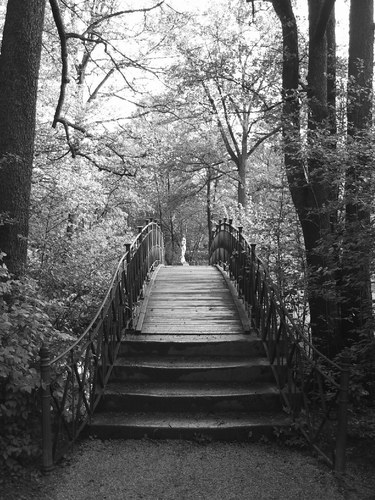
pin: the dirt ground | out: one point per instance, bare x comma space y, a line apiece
188, 470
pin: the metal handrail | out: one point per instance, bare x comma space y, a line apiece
69, 382
313, 388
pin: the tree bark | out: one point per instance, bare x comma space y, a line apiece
358, 239
19, 70
241, 190
308, 183
208, 206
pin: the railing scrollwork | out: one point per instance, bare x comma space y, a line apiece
69, 382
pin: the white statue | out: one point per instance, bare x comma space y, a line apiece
183, 251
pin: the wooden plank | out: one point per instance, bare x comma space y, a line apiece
199, 339
190, 301
189, 312
190, 321
177, 330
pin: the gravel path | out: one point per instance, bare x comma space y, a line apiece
166, 470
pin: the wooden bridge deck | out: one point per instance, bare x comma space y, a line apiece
191, 300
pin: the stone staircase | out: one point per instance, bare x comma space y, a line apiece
188, 385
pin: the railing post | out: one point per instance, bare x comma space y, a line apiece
342, 423
45, 375
253, 245
241, 261
129, 276
252, 277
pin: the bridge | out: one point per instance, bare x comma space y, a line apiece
193, 352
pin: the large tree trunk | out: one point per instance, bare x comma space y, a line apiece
19, 70
320, 196
309, 186
358, 241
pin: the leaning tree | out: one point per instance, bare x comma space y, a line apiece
339, 266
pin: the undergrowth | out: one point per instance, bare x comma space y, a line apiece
24, 326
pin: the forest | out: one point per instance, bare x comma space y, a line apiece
113, 112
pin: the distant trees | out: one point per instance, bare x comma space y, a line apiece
227, 74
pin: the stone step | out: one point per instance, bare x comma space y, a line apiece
237, 426
248, 345
188, 396
180, 368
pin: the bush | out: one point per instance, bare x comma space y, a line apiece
23, 328
361, 358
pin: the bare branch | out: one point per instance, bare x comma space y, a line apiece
227, 121
102, 168
67, 123
83, 38
95, 93
120, 13
229, 149
71, 146
64, 58
262, 139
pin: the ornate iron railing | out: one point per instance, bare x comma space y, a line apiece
70, 380
314, 389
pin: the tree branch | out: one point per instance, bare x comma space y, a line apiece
64, 58
120, 13
228, 147
73, 125
262, 139
226, 116
102, 168
100, 85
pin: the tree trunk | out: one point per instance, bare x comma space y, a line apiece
309, 187
331, 72
358, 240
19, 70
241, 193
208, 206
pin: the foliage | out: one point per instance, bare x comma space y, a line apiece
361, 359
78, 232
24, 326
270, 222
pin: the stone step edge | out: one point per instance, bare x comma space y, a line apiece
192, 338
190, 420
176, 364
186, 390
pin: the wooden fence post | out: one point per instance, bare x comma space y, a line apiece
45, 373
342, 423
